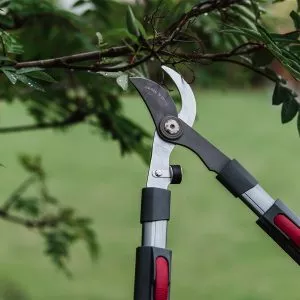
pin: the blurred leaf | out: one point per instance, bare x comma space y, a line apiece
28, 70
289, 110
281, 94
256, 8
131, 22
10, 75
37, 73
66, 214
32, 164
99, 38
91, 241
79, 3
11, 44
296, 19
5, 58
4, 3
122, 81
141, 29
42, 76
57, 248
29, 82
29, 205
111, 74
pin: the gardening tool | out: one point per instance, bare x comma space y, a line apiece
153, 260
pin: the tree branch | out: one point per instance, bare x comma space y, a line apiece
197, 10
81, 57
170, 33
21, 188
41, 223
250, 67
39, 126
247, 48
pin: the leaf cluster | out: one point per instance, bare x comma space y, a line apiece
32, 205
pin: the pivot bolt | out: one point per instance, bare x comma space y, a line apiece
172, 126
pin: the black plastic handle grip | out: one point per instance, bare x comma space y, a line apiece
283, 226
145, 272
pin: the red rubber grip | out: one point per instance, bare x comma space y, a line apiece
161, 289
288, 227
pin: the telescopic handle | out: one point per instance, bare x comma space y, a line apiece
275, 218
283, 226
153, 261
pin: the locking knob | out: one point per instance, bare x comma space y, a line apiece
176, 174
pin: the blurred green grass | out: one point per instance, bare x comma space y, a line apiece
218, 250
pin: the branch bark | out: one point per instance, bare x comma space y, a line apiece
40, 126
80, 57
41, 223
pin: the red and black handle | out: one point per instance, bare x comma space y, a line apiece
153, 261
152, 274
283, 226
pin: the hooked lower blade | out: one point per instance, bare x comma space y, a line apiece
188, 106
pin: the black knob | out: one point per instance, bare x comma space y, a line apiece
176, 172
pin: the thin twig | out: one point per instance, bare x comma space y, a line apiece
14, 196
41, 223
39, 126
240, 63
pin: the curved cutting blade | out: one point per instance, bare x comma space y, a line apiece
157, 99
161, 150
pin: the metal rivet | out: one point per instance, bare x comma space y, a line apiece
158, 173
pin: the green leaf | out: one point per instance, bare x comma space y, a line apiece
289, 110
10, 43
42, 76
131, 22
281, 94
287, 38
122, 81
29, 206
256, 8
141, 29
99, 38
296, 19
33, 84
90, 238
262, 57
79, 3
4, 3
32, 164
10, 75
244, 16
28, 70
116, 33
111, 74
5, 58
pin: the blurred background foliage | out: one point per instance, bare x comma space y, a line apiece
68, 91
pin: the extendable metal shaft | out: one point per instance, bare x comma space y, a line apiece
154, 234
